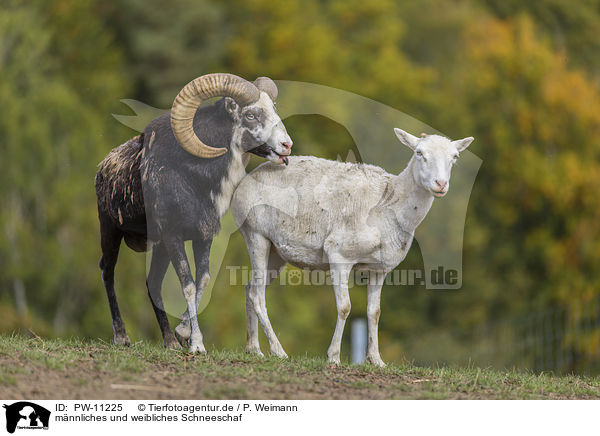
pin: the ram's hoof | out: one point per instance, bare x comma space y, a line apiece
185, 342
123, 340
172, 344
182, 333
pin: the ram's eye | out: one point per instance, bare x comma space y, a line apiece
419, 153
250, 116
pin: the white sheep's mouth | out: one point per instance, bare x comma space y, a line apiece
439, 193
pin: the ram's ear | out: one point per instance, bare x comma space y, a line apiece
406, 138
461, 144
230, 105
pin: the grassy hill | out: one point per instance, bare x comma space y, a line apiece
34, 368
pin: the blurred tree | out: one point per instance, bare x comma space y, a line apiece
573, 26
60, 79
532, 233
167, 46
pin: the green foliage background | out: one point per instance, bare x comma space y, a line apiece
521, 77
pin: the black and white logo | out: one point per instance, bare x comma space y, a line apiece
26, 415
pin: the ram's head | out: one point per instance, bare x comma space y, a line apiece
251, 107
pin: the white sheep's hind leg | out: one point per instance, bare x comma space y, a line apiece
276, 264
252, 343
340, 272
376, 280
259, 248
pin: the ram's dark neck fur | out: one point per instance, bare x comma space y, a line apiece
176, 185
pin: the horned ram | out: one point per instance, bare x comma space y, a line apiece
174, 182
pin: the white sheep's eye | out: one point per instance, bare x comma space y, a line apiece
250, 116
419, 153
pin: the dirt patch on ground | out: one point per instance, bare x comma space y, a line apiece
54, 369
84, 381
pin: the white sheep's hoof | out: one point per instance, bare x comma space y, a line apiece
376, 361
198, 348
254, 350
279, 353
333, 357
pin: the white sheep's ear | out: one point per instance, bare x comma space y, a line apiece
461, 144
406, 138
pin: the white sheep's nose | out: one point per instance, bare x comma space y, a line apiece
441, 183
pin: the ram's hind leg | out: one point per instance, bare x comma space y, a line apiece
110, 242
259, 248
275, 265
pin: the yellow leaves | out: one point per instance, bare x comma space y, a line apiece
570, 93
489, 38
353, 45
511, 59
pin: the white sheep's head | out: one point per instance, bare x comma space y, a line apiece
433, 158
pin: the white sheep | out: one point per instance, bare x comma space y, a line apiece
328, 215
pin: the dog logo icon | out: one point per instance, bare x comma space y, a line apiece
26, 415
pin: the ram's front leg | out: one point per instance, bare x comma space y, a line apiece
201, 257
158, 268
176, 250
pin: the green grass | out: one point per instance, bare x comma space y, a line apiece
91, 369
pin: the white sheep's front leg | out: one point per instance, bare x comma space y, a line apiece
259, 248
376, 280
340, 273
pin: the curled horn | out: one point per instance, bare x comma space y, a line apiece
267, 85
193, 94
